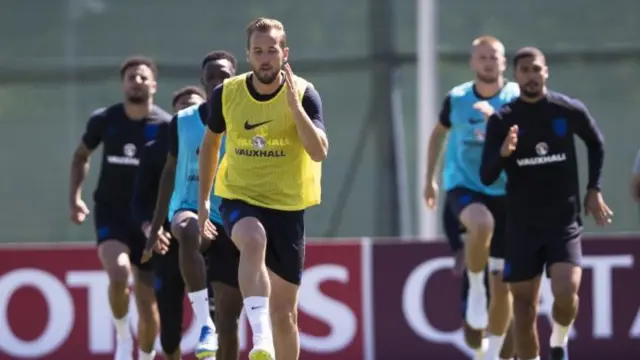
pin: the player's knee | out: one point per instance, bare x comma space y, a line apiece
525, 309
118, 277
249, 236
566, 300
284, 319
478, 221
187, 233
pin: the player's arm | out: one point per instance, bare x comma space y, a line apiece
147, 181
167, 179
309, 119
210, 147
492, 160
436, 140
91, 138
587, 130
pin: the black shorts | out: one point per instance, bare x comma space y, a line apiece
169, 290
285, 235
115, 222
459, 198
532, 248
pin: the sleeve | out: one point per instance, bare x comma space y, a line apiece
215, 121
312, 105
173, 136
636, 166
445, 112
147, 181
588, 131
492, 161
92, 136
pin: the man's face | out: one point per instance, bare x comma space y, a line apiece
215, 72
187, 100
138, 84
531, 73
266, 55
488, 62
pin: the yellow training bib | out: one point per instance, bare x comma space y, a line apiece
265, 164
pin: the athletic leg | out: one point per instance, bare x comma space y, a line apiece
148, 317
248, 234
479, 223
184, 226
114, 256
223, 259
169, 290
524, 264
285, 259
500, 303
563, 259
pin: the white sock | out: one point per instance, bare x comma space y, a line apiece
476, 281
146, 356
200, 305
122, 327
257, 310
495, 346
506, 359
559, 335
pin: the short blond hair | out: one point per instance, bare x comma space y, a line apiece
262, 24
487, 40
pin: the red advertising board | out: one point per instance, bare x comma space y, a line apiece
53, 305
358, 302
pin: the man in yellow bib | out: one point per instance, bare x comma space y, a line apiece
275, 142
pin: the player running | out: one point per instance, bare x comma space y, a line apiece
177, 197
480, 208
168, 283
275, 142
532, 139
123, 129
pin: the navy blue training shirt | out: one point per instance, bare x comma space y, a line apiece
542, 173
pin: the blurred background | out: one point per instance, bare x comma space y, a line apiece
60, 59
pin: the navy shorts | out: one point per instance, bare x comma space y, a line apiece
532, 248
114, 222
459, 198
285, 235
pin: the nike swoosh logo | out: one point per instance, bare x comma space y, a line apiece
248, 126
149, 143
475, 121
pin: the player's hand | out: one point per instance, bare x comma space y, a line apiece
458, 265
79, 212
485, 108
595, 206
510, 142
292, 89
431, 194
207, 230
158, 241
